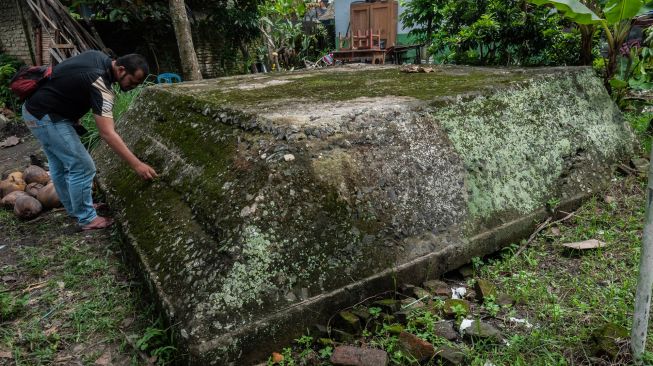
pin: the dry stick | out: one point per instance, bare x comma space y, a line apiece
543, 226
35, 286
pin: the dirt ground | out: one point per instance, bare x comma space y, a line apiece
65, 296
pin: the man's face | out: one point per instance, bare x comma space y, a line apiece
129, 81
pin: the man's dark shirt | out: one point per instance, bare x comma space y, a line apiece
78, 84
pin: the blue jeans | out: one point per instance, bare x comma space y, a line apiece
71, 167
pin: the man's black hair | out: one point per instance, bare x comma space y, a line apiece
133, 62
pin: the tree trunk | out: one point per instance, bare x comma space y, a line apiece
189, 64
246, 58
586, 38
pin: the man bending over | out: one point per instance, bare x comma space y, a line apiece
78, 84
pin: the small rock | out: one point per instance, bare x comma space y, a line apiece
289, 157
362, 313
449, 305
10, 141
357, 356
444, 329
610, 340
389, 305
505, 300
555, 231
433, 285
325, 341
450, 355
421, 293
471, 295
641, 164
349, 321
479, 329
437, 288
485, 289
395, 329
416, 347
401, 316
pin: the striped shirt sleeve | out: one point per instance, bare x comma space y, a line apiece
102, 98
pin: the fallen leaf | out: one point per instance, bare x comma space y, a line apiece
104, 360
583, 245
10, 141
51, 331
6, 354
608, 199
277, 357
555, 231
127, 322
8, 278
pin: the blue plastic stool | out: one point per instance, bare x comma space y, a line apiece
168, 77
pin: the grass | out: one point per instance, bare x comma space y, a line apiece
121, 103
70, 299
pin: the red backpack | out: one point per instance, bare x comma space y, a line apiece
28, 79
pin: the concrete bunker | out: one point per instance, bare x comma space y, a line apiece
285, 197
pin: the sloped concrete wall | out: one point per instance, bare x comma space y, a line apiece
284, 197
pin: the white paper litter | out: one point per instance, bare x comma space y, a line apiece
466, 323
458, 292
522, 321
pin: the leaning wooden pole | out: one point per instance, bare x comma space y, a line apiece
645, 281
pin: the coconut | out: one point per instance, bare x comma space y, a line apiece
13, 183
16, 176
36, 174
10, 200
48, 196
27, 207
33, 188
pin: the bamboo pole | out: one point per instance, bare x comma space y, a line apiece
645, 281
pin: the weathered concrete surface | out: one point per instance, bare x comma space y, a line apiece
285, 197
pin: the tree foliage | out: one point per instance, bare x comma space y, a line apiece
492, 32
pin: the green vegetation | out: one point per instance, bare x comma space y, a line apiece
493, 32
8, 67
68, 298
122, 102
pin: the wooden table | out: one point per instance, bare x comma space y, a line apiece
374, 55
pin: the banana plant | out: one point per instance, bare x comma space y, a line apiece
615, 18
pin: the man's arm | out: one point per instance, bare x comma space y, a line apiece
110, 136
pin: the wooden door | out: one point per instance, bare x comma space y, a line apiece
380, 16
359, 18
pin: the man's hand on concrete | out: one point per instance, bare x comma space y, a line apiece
145, 171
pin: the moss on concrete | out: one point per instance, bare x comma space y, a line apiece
278, 189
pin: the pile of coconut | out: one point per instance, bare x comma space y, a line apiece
29, 192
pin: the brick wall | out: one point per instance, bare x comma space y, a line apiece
12, 37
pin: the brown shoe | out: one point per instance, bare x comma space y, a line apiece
99, 222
